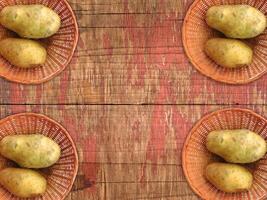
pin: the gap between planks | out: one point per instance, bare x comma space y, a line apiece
141, 104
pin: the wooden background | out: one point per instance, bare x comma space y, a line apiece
129, 98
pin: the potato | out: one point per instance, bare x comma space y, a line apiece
229, 177
30, 151
236, 146
23, 53
236, 21
24, 183
30, 21
229, 53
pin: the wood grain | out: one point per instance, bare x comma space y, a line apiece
129, 98
130, 52
127, 152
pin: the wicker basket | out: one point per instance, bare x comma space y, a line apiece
60, 47
196, 32
60, 177
196, 157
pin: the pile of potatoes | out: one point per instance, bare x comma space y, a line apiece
235, 22
29, 152
29, 22
236, 147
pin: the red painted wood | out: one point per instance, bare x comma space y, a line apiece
128, 152
130, 53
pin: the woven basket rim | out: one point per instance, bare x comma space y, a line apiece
195, 127
196, 65
56, 73
76, 162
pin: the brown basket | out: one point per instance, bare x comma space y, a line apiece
60, 177
196, 32
60, 47
196, 157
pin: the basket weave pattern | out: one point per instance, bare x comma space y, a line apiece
196, 33
60, 47
196, 157
60, 176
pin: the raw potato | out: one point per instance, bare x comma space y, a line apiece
30, 151
229, 53
236, 21
236, 146
23, 53
229, 177
24, 183
30, 21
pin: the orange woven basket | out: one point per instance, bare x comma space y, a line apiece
60, 176
60, 47
196, 32
196, 157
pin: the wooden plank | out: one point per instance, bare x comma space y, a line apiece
130, 52
134, 6
133, 191
127, 152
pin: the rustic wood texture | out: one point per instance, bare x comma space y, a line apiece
130, 53
127, 152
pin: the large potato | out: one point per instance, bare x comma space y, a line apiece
30, 21
236, 146
229, 177
24, 183
236, 21
229, 53
22, 52
30, 151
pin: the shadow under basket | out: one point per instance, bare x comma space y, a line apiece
196, 33
60, 47
60, 177
196, 157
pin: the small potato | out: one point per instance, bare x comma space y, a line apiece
22, 52
236, 146
30, 21
24, 183
229, 53
237, 21
229, 177
30, 151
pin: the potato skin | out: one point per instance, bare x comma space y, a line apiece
22, 52
229, 177
236, 146
236, 21
30, 151
30, 21
229, 53
24, 183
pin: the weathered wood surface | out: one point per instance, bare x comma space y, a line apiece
130, 52
127, 152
